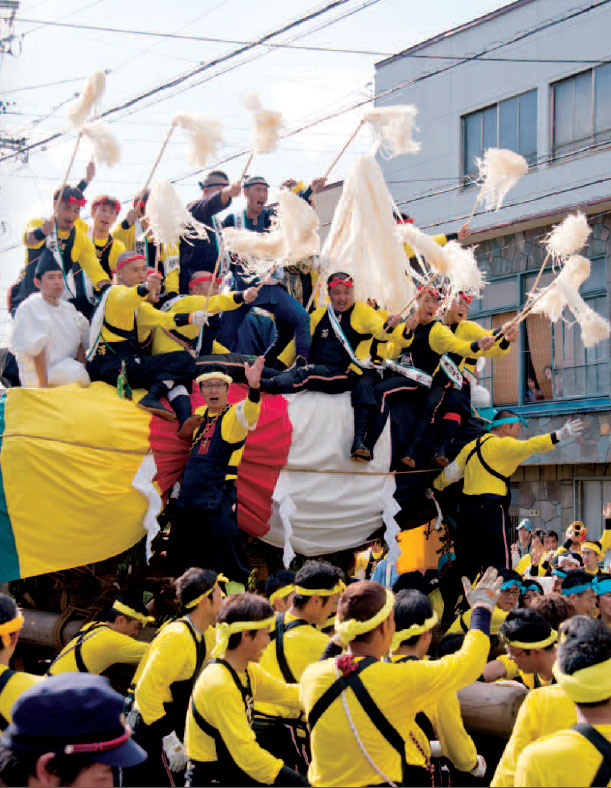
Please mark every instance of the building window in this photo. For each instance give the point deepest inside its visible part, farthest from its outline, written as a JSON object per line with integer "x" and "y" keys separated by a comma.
{"x": 509, "y": 124}
{"x": 591, "y": 495}
{"x": 582, "y": 110}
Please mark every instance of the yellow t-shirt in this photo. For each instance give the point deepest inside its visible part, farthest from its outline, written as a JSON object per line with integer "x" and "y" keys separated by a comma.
{"x": 101, "y": 648}
{"x": 565, "y": 758}
{"x": 15, "y": 686}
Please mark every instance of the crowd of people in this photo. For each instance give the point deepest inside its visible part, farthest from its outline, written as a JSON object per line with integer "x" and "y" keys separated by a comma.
{"x": 324, "y": 679}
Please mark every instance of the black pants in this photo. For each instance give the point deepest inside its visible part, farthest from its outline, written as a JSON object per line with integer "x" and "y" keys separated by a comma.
{"x": 209, "y": 538}
{"x": 151, "y": 771}
{"x": 200, "y": 775}
{"x": 329, "y": 380}
{"x": 482, "y": 535}
{"x": 403, "y": 398}
{"x": 288, "y": 742}
{"x": 143, "y": 371}
{"x": 231, "y": 364}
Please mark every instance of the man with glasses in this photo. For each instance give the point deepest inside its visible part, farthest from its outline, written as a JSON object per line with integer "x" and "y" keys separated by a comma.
{"x": 205, "y": 529}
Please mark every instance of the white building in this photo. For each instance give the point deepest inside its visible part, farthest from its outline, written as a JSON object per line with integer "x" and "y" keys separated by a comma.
{"x": 534, "y": 77}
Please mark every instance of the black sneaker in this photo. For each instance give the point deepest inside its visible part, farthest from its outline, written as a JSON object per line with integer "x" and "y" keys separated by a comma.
{"x": 153, "y": 405}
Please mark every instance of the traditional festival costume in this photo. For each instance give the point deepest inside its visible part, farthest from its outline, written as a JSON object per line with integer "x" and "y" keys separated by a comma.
{"x": 134, "y": 238}
{"x": 487, "y": 463}
{"x": 107, "y": 249}
{"x": 75, "y": 256}
{"x": 120, "y": 334}
{"x": 205, "y": 531}
{"x": 175, "y": 659}
{"x": 58, "y": 329}
{"x": 365, "y": 737}
{"x": 339, "y": 359}
{"x": 272, "y": 297}
{"x": 13, "y": 683}
{"x": 219, "y": 739}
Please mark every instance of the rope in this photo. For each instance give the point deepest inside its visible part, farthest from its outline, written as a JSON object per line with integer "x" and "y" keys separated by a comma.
{"x": 362, "y": 747}
{"x": 150, "y": 450}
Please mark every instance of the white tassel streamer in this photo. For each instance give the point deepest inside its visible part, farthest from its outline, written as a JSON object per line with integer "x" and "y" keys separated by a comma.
{"x": 81, "y": 109}
{"x": 422, "y": 243}
{"x": 465, "y": 276}
{"x": 393, "y": 128}
{"x": 106, "y": 147}
{"x": 568, "y": 237}
{"x": 363, "y": 239}
{"x": 205, "y": 136}
{"x": 168, "y": 217}
{"x": 266, "y": 125}
{"x": 500, "y": 170}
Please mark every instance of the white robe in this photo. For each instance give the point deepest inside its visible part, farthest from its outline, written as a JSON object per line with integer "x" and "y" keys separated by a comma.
{"x": 59, "y": 330}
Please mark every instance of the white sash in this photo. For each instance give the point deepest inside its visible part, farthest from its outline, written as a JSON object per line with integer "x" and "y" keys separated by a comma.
{"x": 225, "y": 259}
{"x": 451, "y": 370}
{"x": 95, "y": 329}
{"x": 337, "y": 330}
{"x": 52, "y": 245}
{"x": 417, "y": 375}
{"x": 140, "y": 245}
{"x": 469, "y": 377}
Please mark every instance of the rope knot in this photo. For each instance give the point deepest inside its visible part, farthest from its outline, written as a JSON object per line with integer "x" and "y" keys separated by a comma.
{"x": 346, "y": 664}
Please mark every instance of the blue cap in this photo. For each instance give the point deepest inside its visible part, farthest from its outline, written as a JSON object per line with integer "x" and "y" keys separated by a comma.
{"x": 525, "y": 523}
{"x": 73, "y": 713}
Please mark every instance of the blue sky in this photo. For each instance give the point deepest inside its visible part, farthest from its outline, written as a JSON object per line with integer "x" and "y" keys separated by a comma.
{"x": 303, "y": 85}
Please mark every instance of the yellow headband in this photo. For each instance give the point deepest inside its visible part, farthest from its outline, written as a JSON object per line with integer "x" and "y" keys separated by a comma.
{"x": 553, "y": 637}
{"x": 348, "y": 630}
{"x": 129, "y": 611}
{"x": 592, "y": 546}
{"x": 224, "y": 631}
{"x": 330, "y": 622}
{"x": 195, "y": 602}
{"x": 337, "y": 589}
{"x": 6, "y": 629}
{"x": 413, "y": 631}
{"x": 214, "y": 376}
{"x": 589, "y": 685}
{"x": 280, "y": 593}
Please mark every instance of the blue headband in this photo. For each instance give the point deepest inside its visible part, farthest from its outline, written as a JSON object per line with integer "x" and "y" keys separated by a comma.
{"x": 602, "y": 586}
{"x": 509, "y": 583}
{"x": 533, "y": 587}
{"x": 575, "y": 589}
{"x": 559, "y": 573}
{"x": 508, "y": 420}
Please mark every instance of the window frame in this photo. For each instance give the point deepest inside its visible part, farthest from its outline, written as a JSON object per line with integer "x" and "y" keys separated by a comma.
{"x": 466, "y": 180}
{"x": 574, "y": 404}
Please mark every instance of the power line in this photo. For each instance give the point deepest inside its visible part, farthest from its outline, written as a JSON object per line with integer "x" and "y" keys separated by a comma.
{"x": 209, "y": 64}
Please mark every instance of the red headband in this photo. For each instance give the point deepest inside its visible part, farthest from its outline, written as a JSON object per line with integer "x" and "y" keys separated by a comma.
{"x": 204, "y": 278}
{"x": 465, "y": 297}
{"x": 347, "y": 282}
{"x": 73, "y": 200}
{"x": 432, "y": 290}
{"x": 127, "y": 260}
{"x": 101, "y": 746}
{"x": 105, "y": 200}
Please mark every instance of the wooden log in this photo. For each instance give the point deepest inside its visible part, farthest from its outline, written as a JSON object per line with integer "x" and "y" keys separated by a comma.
{"x": 39, "y": 630}
{"x": 491, "y": 708}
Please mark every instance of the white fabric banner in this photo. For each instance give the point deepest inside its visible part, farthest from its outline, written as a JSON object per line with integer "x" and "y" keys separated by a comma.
{"x": 332, "y": 511}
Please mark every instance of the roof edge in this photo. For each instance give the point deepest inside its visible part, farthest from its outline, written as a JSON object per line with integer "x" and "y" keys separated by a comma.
{"x": 454, "y": 31}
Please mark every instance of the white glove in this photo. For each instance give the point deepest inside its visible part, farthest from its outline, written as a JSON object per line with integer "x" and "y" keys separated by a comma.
{"x": 570, "y": 430}
{"x": 174, "y": 752}
{"x": 435, "y": 749}
{"x": 199, "y": 318}
{"x": 480, "y": 767}
{"x": 485, "y": 592}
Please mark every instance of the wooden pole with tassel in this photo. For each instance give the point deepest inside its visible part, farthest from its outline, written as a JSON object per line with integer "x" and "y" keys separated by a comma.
{"x": 158, "y": 159}
{"x": 247, "y": 165}
{"x": 215, "y": 272}
{"x": 425, "y": 286}
{"x": 343, "y": 150}
{"x": 68, "y": 170}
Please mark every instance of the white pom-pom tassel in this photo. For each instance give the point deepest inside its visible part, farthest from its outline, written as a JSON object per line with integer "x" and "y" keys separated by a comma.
{"x": 465, "y": 276}
{"x": 500, "y": 170}
{"x": 393, "y": 128}
{"x": 420, "y": 242}
{"x": 106, "y": 147}
{"x": 93, "y": 91}
{"x": 575, "y": 271}
{"x": 568, "y": 237}
{"x": 594, "y": 327}
{"x": 247, "y": 244}
{"x": 266, "y": 125}
{"x": 168, "y": 217}
{"x": 205, "y": 136}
